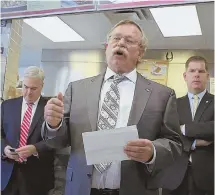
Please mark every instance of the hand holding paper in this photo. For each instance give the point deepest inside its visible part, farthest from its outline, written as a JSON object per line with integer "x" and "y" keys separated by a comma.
{"x": 108, "y": 145}
{"x": 140, "y": 150}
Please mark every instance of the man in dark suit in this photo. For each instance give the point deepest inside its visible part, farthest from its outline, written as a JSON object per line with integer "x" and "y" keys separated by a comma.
{"x": 118, "y": 97}
{"x": 27, "y": 162}
{"x": 193, "y": 173}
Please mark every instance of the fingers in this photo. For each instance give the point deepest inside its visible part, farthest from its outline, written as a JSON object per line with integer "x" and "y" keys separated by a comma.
{"x": 26, "y": 151}
{"x": 24, "y": 154}
{"x": 55, "y": 101}
{"x": 60, "y": 96}
{"x": 139, "y": 143}
{"x": 9, "y": 154}
{"x": 135, "y": 156}
{"x": 139, "y": 150}
{"x": 54, "y": 110}
{"x": 135, "y": 149}
{"x": 21, "y": 149}
{"x": 140, "y": 157}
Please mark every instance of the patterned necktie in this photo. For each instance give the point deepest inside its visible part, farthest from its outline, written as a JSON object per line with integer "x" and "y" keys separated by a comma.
{"x": 109, "y": 113}
{"x": 25, "y": 128}
{"x": 195, "y": 104}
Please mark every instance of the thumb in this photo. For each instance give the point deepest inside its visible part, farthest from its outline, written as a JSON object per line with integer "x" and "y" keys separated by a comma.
{"x": 60, "y": 96}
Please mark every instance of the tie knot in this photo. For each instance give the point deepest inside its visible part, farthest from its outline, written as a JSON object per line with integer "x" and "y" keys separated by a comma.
{"x": 195, "y": 97}
{"x": 118, "y": 78}
{"x": 30, "y": 104}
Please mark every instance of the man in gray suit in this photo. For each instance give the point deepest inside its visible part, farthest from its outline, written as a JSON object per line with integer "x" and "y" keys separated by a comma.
{"x": 118, "y": 97}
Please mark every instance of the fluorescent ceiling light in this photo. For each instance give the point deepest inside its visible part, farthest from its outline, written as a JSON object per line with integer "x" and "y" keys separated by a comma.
{"x": 177, "y": 21}
{"x": 54, "y": 29}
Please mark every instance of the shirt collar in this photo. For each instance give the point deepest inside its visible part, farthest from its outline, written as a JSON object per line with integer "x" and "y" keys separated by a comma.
{"x": 200, "y": 95}
{"x": 35, "y": 103}
{"x": 132, "y": 76}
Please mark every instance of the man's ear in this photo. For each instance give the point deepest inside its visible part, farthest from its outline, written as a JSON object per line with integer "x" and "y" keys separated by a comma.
{"x": 105, "y": 45}
{"x": 208, "y": 76}
{"x": 141, "y": 54}
{"x": 184, "y": 75}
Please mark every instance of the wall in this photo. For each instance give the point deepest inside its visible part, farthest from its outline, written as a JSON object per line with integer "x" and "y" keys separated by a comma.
{"x": 29, "y": 57}
{"x": 176, "y": 66}
{"x": 64, "y": 66}
{"x": 12, "y": 62}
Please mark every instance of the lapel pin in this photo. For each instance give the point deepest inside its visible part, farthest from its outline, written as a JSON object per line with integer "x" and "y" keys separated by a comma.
{"x": 206, "y": 102}
{"x": 147, "y": 90}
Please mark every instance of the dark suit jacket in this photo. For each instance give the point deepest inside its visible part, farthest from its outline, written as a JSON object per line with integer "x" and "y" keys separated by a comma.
{"x": 153, "y": 111}
{"x": 202, "y": 157}
{"x": 38, "y": 172}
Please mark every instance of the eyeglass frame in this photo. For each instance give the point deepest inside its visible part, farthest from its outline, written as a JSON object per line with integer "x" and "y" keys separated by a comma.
{"x": 131, "y": 43}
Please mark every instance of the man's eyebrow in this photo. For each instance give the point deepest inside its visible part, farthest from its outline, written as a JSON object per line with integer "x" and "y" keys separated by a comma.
{"x": 30, "y": 87}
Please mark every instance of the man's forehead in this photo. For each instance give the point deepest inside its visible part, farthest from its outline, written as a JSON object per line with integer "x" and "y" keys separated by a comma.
{"x": 32, "y": 82}
{"x": 197, "y": 65}
{"x": 130, "y": 28}
{"x": 30, "y": 85}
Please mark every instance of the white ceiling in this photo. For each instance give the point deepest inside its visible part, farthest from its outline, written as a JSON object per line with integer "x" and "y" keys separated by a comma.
{"x": 94, "y": 27}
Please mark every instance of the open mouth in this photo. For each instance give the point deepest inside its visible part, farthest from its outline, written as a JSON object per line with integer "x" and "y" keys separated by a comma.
{"x": 120, "y": 53}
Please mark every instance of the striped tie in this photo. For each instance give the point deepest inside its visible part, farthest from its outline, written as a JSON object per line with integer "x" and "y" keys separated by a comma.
{"x": 109, "y": 113}
{"x": 25, "y": 128}
{"x": 195, "y": 104}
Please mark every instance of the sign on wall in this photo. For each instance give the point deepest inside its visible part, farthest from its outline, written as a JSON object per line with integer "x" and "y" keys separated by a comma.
{"x": 212, "y": 85}
{"x": 26, "y": 8}
{"x": 5, "y": 36}
{"x": 155, "y": 70}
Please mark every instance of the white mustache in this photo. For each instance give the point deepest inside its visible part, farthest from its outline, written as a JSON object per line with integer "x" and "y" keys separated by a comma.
{"x": 120, "y": 50}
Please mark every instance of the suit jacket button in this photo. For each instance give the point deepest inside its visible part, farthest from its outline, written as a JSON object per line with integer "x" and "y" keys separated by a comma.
{"x": 89, "y": 175}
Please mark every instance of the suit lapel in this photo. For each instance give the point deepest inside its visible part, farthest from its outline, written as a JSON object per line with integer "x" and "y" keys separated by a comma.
{"x": 206, "y": 100}
{"x": 94, "y": 90}
{"x": 37, "y": 115}
{"x": 141, "y": 95}
{"x": 185, "y": 108}
{"x": 17, "y": 118}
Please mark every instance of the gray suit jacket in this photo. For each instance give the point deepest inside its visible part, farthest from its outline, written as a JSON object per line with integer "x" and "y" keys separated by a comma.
{"x": 153, "y": 111}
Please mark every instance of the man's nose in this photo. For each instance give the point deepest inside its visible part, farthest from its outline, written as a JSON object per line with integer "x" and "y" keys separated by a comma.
{"x": 122, "y": 42}
{"x": 196, "y": 74}
{"x": 29, "y": 91}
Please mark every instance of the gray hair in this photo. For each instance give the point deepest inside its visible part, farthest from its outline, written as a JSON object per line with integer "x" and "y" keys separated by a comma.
{"x": 144, "y": 40}
{"x": 34, "y": 72}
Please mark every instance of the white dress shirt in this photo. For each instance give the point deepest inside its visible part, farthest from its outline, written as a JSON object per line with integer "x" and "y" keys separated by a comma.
{"x": 191, "y": 101}
{"x": 111, "y": 177}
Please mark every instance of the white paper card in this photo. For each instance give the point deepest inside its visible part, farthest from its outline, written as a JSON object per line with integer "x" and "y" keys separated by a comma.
{"x": 108, "y": 145}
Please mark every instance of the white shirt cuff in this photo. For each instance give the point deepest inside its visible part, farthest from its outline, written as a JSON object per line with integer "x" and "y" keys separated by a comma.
{"x": 183, "y": 129}
{"x": 153, "y": 159}
{"x": 193, "y": 147}
{"x": 54, "y": 129}
{"x": 150, "y": 164}
{"x": 36, "y": 154}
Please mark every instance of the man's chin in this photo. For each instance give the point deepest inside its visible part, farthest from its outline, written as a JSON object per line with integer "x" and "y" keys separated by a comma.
{"x": 29, "y": 100}
{"x": 198, "y": 89}
{"x": 119, "y": 67}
